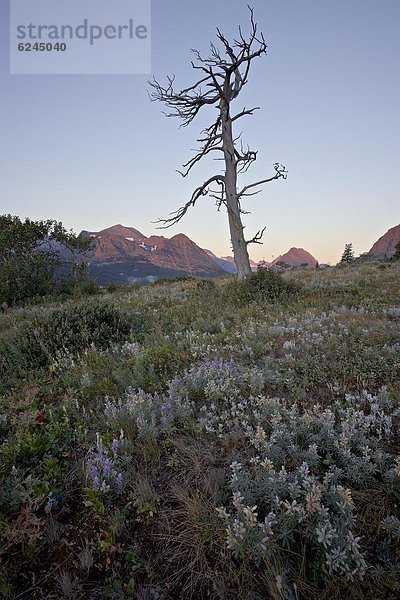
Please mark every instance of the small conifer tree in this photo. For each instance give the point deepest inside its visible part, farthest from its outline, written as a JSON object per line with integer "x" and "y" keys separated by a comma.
{"x": 348, "y": 254}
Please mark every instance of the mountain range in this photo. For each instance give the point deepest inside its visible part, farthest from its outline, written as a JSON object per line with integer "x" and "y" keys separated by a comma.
{"x": 124, "y": 255}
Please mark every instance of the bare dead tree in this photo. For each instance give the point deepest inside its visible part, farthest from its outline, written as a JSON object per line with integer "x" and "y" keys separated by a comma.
{"x": 222, "y": 77}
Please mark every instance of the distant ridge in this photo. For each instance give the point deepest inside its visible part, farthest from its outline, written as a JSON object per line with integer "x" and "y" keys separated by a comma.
{"x": 385, "y": 246}
{"x": 230, "y": 260}
{"x": 125, "y": 255}
{"x": 296, "y": 257}
{"x": 226, "y": 263}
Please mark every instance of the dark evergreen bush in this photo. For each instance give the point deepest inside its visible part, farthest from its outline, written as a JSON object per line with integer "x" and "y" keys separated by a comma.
{"x": 264, "y": 286}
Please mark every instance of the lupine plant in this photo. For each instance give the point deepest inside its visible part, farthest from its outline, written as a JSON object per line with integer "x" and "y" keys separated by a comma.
{"x": 296, "y": 482}
{"x": 103, "y": 466}
{"x": 151, "y": 414}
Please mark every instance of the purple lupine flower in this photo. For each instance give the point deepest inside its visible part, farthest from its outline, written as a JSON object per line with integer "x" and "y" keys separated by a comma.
{"x": 36, "y": 332}
{"x": 106, "y": 467}
{"x": 166, "y": 409}
{"x": 139, "y": 421}
{"x": 96, "y": 484}
{"x": 119, "y": 480}
{"x": 304, "y": 468}
{"x": 115, "y": 446}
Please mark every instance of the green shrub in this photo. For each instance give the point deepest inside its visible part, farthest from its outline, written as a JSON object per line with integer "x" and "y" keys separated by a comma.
{"x": 263, "y": 286}
{"x": 169, "y": 280}
{"x": 73, "y": 329}
{"x": 206, "y": 285}
{"x": 151, "y": 370}
{"x": 111, "y": 287}
{"x": 31, "y": 264}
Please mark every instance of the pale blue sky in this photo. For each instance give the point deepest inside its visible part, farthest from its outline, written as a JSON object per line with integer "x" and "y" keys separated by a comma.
{"x": 92, "y": 151}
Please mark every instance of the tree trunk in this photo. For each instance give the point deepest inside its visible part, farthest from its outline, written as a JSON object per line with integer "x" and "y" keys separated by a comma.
{"x": 240, "y": 254}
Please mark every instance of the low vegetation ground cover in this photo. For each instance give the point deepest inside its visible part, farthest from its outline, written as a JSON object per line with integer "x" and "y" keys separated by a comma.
{"x": 205, "y": 439}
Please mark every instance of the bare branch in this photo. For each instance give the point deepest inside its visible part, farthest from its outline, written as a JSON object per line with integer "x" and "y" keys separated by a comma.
{"x": 244, "y": 158}
{"x": 280, "y": 172}
{"x": 245, "y": 112}
{"x": 246, "y": 51}
{"x": 257, "y": 238}
{"x": 187, "y": 103}
{"x": 251, "y": 194}
{"x": 202, "y": 190}
{"x": 212, "y": 142}
{"x": 219, "y": 195}
{"x": 188, "y": 166}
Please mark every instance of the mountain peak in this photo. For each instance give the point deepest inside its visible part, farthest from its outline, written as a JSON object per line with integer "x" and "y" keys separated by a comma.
{"x": 181, "y": 237}
{"x": 296, "y": 257}
{"x": 121, "y": 231}
{"x": 385, "y": 246}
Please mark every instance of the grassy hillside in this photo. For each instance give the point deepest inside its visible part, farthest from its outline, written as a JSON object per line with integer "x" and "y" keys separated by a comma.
{"x": 205, "y": 439}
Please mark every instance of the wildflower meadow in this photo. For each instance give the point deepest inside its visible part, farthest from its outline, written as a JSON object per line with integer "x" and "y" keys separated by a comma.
{"x": 204, "y": 439}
